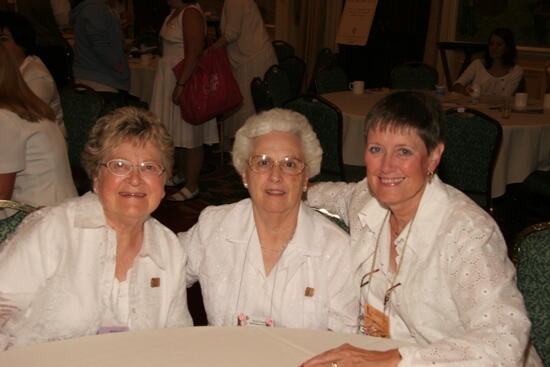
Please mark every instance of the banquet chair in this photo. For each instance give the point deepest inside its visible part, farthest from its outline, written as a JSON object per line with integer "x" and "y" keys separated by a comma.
{"x": 414, "y": 75}
{"x": 9, "y": 224}
{"x": 261, "y": 96}
{"x": 532, "y": 258}
{"x": 82, "y": 106}
{"x": 331, "y": 79}
{"x": 325, "y": 59}
{"x": 472, "y": 142}
{"x": 282, "y": 49}
{"x": 333, "y": 218}
{"x": 295, "y": 69}
{"x": 279, "y": 85}
{"x": 326, "y": 120}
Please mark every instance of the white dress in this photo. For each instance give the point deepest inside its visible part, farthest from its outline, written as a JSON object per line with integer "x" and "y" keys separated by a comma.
{"x": 184, "y": 134}
{"x": 249, "y": 50}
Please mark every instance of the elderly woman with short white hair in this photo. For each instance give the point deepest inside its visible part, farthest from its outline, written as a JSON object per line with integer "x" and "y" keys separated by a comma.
{"x": 271, "y": 260}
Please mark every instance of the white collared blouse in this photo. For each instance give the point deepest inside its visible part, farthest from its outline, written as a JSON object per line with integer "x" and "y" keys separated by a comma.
{"x": 58, "y": 272}
{"x": 458, "y": 299}
{"x": 224, "y": 255}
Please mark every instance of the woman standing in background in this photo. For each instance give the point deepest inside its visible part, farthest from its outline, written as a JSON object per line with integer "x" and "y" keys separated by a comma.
{"x": 249, "y": 50}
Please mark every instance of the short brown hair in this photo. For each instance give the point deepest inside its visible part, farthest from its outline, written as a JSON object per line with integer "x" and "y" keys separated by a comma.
{"x": 121, "y": 125}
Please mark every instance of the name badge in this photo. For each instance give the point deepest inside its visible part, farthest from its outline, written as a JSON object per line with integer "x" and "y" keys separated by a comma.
{"x": 250, "y": 320}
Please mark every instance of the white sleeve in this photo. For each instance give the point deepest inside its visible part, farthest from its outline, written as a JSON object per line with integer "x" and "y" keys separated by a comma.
{"x": 233, "y": 13}
{"x": 333, "y": 196}
{"x": 495, "y": 327}
{"x": 43, "y": 87}
{"x": 12, "y": 144}
{"x": 61, "y": 11}
{"x": 516, "y": 74}
{"x": 194, "y": 249}
{"x": 469, "y": 74}
{"x": 27, "y": 260}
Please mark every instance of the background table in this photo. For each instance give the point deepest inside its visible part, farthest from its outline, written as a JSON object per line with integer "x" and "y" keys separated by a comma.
{"x": 198, "y": 346}
{"x": 525, "y": 136}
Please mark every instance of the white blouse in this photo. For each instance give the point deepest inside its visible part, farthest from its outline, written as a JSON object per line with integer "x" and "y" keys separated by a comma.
{"x": 224, "y": 255}
{"x": 458, "y": 299}
{"x": 476, "y": 73}
{"x": 57, "y": 276}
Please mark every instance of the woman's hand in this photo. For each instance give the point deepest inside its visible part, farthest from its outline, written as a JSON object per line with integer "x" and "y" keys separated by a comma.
{"x": 176, "y": 94}
{"x": 347, "y": 355}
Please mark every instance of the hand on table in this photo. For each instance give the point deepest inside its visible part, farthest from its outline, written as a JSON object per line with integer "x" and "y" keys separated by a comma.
{"x": 347, "y": 355}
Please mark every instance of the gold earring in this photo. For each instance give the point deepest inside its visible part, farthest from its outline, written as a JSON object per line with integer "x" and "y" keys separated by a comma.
{"x": 305, "y": 188}
{"x": 245, "y": 185}
{"x": 430, "y": 176}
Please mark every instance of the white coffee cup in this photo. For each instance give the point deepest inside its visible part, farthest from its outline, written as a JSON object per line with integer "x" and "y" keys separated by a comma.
{"x": 357, "y": 86}
{"x": 546, "y": 103}
{"x": 520, "y": 100}
{"x": 145, "y": 59}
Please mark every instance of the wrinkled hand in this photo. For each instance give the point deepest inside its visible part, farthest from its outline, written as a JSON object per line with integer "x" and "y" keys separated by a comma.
{"x": 347, "y": 355}
{"x": 176, "y": 94}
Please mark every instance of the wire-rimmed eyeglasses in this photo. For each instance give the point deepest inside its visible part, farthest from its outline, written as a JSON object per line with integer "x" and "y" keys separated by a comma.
{"x": 122, "y": 167}
{"x": 264, "y": 164}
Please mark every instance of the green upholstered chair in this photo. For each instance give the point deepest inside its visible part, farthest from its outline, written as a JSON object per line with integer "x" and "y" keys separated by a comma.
{"x": 295, "y": 69}
{"x": 472, "y": 141}
{"x": 82, "y": 106}
{"x": 331, "y": 79}
{"x": 326, "y": 120}
{"x": 414, "y": 75}
{"x": 9, "y": 224}
{"x": 282, "y": 49}
{"x": 279, "y": 85}
{"x": 261, "y": 96}
{"x": 532, "y": 257}
{"x": 325, "y": 59}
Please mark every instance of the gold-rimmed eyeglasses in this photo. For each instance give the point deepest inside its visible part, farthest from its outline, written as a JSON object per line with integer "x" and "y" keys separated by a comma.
{"x": 264, "y": 164}
{"x": 122, "y": 167}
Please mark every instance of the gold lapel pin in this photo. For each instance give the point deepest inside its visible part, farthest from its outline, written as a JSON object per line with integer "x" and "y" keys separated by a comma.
{"x": 309, "y": 292}
{"x": 155, "y": 282}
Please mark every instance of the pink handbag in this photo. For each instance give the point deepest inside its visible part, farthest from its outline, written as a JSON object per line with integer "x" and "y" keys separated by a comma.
{"x": 211, "y": 90}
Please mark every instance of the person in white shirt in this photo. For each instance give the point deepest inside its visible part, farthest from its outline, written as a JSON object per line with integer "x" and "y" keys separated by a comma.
{"x": 249, "y": 50}
{"x": 18, "y": 36}
{"x": 34, "y": 166}
{"x": 497, "y": 74}
{"x": 271, "y": 260}
{"x": 99, "y": 263}
{"x": 431, "y": 265}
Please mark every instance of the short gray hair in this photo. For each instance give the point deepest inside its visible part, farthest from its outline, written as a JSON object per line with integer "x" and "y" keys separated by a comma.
{"x": 278, "y": 119}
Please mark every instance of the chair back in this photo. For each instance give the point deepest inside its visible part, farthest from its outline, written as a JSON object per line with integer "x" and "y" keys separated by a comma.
{"x": 333, "y": 218}
{"x": 325, "y": 59}
{"x": 279, "y": 85}
{"x": 326, "y": 121}
{"x": 414, "y": 75}
{"x": 295, "y": 69}
{"x": 532, "y": 256}
{"x": 472, "y": 142}
{"x": 261, "y": 95}
{"x": 9, "y": 224}
{"x": 332, "y": 79}
{"x": 282, "y": 49}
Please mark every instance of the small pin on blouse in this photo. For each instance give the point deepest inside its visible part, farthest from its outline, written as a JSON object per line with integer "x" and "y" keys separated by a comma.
{"x": 155, "y": 282}
{"x": 309, "y": 292}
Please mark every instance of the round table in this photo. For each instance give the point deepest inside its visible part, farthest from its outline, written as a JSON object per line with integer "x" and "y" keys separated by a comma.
{"x": 193, "y": 346}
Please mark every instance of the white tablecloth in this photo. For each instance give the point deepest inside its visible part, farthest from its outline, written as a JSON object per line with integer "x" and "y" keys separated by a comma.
{"x": 525, "y": 136}
{"x": 142, "y": 79}
{"x": 198, "y": 346}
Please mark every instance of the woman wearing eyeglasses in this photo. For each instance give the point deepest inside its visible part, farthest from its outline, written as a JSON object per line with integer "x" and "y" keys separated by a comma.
{"x": 270, "y": 260}
{"x": 99, "y": 263}
{"x": 431, "y": 266}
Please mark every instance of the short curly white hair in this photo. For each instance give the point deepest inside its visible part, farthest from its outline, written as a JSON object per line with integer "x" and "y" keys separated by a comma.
{"x": 278, "y": 119}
